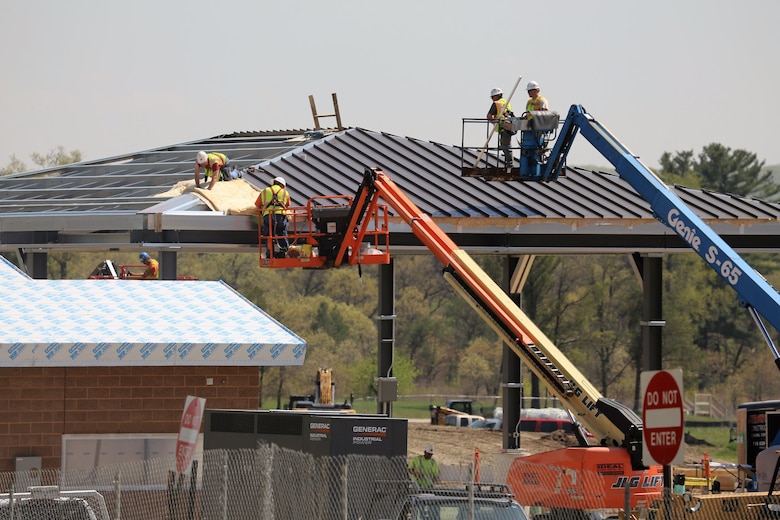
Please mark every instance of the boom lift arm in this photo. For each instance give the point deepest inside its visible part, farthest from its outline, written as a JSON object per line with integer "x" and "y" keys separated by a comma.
{"x": 754, "y": 292}
{"x": 614, "y": 424}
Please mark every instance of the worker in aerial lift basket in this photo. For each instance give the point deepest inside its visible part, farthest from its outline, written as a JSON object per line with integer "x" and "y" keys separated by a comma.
{"x": 501, "y": 111}
{"x": 535, "y": 101}
{"x": 273, "y": 202}
{"x": 152, "y": 271}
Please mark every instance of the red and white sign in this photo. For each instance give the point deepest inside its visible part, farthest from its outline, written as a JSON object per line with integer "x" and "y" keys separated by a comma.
{"x": 662, "y": 416}
{"x": 188, "y": 433}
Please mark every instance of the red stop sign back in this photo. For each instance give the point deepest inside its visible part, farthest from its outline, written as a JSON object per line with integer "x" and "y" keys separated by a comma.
{"x": 188, "y": 433}
{"x": 662, "y": 415}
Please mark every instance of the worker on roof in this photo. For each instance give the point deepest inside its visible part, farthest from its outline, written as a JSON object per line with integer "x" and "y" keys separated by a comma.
{"x": 424, "y": 469}
{"x": 273, "y": 202}
{"x": 535, "y": 101}
{"x": 501, "y": 110}
{"x": 214, "y": 165}
{"x": 152, "y": 271}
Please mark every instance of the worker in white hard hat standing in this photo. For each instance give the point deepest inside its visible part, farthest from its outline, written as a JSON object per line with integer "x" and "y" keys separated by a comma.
{"x": 424, "y": 469}
{"x": 273, "y": 202}
{"x": 213, "y": 164}
{"x": 501, "y": 110}
{"x": 535, "y": 101}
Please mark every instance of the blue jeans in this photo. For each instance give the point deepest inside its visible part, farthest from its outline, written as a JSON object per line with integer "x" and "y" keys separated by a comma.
{"x": 279, "y": 224}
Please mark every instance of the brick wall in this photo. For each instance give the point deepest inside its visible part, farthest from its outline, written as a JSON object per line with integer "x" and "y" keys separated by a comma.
{"x": 39, "y": 405}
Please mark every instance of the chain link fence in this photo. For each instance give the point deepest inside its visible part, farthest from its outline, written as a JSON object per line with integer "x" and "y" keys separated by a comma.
{"x": 272, "y": 483}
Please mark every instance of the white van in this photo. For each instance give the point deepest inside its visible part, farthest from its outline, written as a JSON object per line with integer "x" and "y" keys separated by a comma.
{"x": 461, "y": 419}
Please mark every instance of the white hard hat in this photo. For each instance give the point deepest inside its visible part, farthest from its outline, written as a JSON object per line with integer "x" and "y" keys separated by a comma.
{"x": 532, "y": 85}
{"x": 429, "y": 449}
{"x": 280, "y": 181}
{"x": 201, "y": 158}
{"x": 496, "y": 92}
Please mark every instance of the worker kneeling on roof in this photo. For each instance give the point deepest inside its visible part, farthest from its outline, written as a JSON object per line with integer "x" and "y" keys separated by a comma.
{"x": 214, "y": 165}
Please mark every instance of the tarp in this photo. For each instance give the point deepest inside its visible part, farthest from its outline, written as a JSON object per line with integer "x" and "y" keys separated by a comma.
{"x": 236, "y": 197}
{"x": 135, "y": 323}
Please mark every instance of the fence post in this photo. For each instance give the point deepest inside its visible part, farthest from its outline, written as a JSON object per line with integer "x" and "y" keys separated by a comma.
{"x": 117, "y": 493}
{"x": 224, "y": 484}
{"x": 193, "y": 486}
{"x": 344, "y": 499}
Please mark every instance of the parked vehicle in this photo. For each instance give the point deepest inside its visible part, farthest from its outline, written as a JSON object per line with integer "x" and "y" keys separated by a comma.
{"x": 545, "y": 425}
{"x": 48, "y": 502}
{"x": 488, "y": 500}
{"x": 462, "y": 419}
{"x": 487, "y": 424}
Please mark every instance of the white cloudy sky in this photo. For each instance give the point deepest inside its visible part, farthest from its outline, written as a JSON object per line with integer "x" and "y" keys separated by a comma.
{"x": 109, "y": 77}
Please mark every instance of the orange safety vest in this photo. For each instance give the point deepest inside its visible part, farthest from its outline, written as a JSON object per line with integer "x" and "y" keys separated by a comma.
{"x": 152, "y": 270}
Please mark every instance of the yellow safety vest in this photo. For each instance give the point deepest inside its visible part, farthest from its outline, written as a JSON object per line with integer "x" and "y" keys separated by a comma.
{"x": 534, "y": 104}
{"x": 274, "y": 200}
{"x": 503, "y": 107}
{"x": 215, "y": 158}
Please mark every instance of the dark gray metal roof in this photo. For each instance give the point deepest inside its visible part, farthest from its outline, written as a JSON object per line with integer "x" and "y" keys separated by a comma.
{"x": 111, "y": 203}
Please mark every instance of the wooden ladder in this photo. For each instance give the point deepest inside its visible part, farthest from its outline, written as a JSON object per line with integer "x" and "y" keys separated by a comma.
{"x": 317, "y": 116}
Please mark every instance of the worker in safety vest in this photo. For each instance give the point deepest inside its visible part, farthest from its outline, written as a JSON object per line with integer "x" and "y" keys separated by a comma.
{"x": 535, "y": 101}
{"x": 273, "y": 202}
{"x": 424, "y": 469}
{"x": 500, "y": 110}
{"x": 213, "y": 164}
{"x": 152, "y": 271}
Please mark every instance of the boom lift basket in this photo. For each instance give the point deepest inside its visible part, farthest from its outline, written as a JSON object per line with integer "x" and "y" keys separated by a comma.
{"x": 317, "y": 233}
{"x": 530, "y": 147}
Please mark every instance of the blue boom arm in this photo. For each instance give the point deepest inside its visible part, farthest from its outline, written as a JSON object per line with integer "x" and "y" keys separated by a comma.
{"x": 754, "y": 291}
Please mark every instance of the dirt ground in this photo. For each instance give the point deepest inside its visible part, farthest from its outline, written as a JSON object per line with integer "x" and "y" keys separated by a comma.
{"x": 455, "y": 445}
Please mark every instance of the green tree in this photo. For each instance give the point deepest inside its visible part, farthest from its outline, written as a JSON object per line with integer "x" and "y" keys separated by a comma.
{"x": 56, "y": 157}
{"x": 480, "y": 366}
{"x": 720, "y": 169}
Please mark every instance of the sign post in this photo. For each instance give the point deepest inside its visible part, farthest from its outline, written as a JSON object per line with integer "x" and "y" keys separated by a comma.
{"x": 188, "y": 433}
{"x": 662, "y": 416}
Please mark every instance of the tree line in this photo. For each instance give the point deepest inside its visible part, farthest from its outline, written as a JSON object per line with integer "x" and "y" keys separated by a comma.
{"x": 589, "y": 306}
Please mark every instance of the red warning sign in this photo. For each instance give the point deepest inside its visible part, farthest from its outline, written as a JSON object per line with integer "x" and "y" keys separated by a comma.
{"x": 188, "y": 433}
{"x": 662, "y": 415}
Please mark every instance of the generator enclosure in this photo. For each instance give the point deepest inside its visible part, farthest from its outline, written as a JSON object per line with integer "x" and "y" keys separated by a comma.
{"x": 318, "y": 433}
{"x": 758, "y": 424}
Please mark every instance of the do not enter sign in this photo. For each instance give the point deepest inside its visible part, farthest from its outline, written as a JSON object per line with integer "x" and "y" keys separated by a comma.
{"x": 662, "y": 416}
{"x": 188, "y": 433}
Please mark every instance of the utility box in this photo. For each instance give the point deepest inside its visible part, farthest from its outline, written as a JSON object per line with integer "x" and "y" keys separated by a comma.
{"x": 318, "y": 433}
{"x": 28, "y": 472}
{"x": 758, "y": 426}
{"x": 387, "y": 389}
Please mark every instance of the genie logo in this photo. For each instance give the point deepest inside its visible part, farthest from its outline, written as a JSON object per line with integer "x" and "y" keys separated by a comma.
{"x": 208, "y": 349}
{"x": 687, "y": 232}
{"x": 124, "y": 349}
{"x": 52, "y": 350}
{"x": 15, "y": 350}
{"x": 185, "y": 349}
{"x": 99, "y": 350}
{"x": 231, "y": 350}
{"x": 255, "y": 349}
{"x": 148, "y": 349}
{"x": 276, "y": 351}
{"x": 299, "y": 350}
{"x": 76, "y": 350}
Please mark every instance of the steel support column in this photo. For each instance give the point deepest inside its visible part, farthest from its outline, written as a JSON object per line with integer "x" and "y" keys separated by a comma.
{"x": 386, "y": 328}
{"x": 511, "y": 373}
